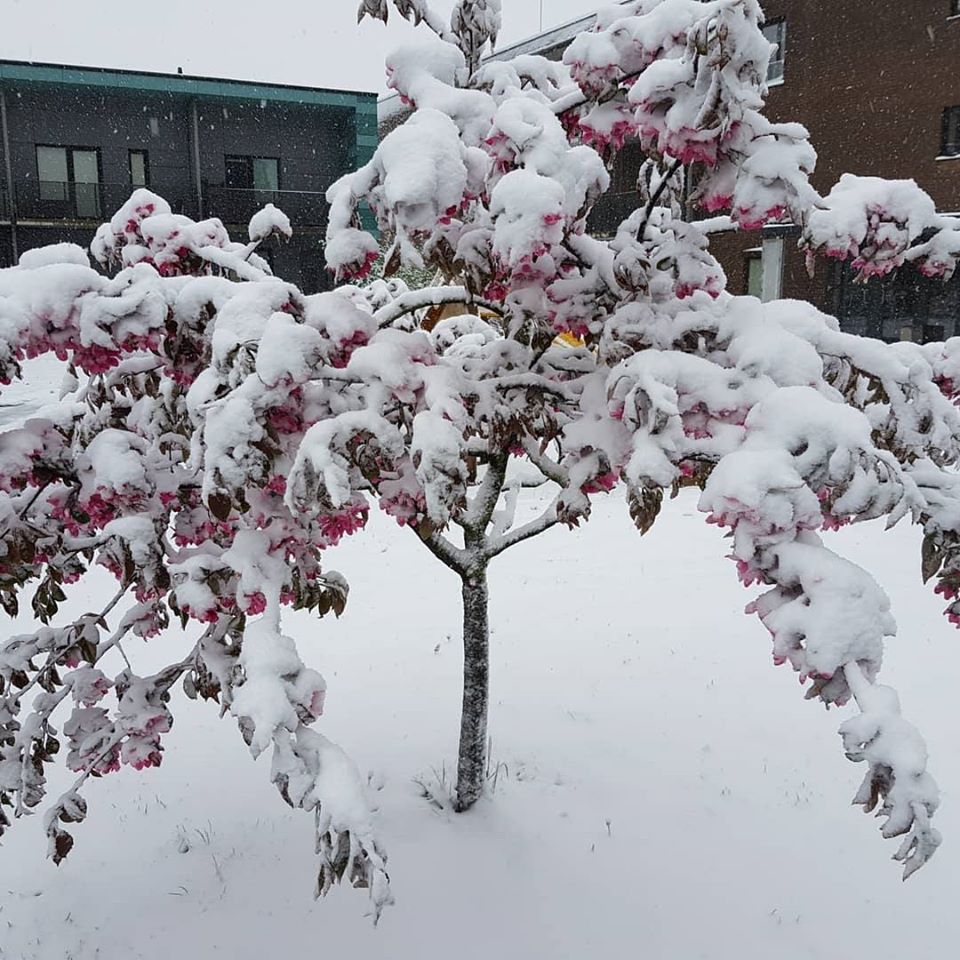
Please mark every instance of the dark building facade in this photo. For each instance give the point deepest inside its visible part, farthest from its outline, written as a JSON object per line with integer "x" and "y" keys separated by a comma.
{"x": 878, "y": 86}
{"x": 75, "y": 141}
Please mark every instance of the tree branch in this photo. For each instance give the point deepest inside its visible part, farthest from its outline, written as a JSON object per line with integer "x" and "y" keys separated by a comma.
{"x": 655, "y": 197}
{"x": 429, "y": 297}
{"x": 449, "y": 555}
{"x": 485, "y": 502}
{"x": 544, "y": 522}
{"x": 548, "y": 467}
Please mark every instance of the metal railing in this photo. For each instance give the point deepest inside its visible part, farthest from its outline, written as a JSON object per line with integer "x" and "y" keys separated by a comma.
{"x": 47, "y": 200}
{"x": 92, "y": 202}
{"x": 236, "y": 205}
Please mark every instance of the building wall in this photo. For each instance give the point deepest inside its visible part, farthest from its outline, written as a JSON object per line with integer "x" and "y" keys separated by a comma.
{"x": 112, "y": 123}
{"x": 870, "y": 82}
{"x": 314, "y": 143}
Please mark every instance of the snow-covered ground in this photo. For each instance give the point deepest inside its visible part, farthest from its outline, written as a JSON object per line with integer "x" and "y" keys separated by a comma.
{"x": 663, "y": 789}
{"x": 40, "y": 385}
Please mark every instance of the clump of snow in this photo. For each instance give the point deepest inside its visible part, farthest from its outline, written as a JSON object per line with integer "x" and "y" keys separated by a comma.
{"x": 54, "y": 253}
{"x": 269, "y": 221}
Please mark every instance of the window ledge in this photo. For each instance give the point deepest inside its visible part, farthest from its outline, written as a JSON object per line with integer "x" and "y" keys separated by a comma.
{"x": 955, "y": 16}
{"x": 779, "y": 81}
{"x": 948, "y": 156}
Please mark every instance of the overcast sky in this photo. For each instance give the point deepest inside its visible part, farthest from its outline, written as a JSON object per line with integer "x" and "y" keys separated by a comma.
{"x": 312, "y": 42}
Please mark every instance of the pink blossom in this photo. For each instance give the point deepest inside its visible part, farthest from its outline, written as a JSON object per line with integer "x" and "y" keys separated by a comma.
{"x": 254, "y": 603}
{"x": 948, "y": 589}
{"x": 277, "y": 484}
{"x": 358, "y": 270}
{"x": 602, "y": 483}
{"x": 317, "y": 700}
{"x": 334, "y": 526}
{"x": 405, "y": 508}
{"x": 340, "y": 357}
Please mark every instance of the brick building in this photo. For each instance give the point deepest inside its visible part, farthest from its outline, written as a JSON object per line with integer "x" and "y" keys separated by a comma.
{"x": 878, "y": 87}
{"x": 74, "y": 142}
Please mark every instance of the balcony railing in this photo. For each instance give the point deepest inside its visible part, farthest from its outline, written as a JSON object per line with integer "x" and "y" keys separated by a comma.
{"x": 93, "y": 202}
{"x": 235, "y": 205}
{"x": 96, "y": 202}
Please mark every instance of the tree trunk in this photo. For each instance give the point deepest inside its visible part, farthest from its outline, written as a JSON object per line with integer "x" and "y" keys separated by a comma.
{"x": 472, "y": 760}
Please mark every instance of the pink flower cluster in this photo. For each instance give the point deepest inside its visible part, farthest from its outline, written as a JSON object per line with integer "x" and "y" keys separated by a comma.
{"x": 602, "y": 483}
{"x": 341, "y": 353}
{"x": 358, "y": 269}
{"x": 341, "y": 523}
{"x": 407, "y": 509}
{"x": 755, "y": 218}
{"x": 605, "y": 139}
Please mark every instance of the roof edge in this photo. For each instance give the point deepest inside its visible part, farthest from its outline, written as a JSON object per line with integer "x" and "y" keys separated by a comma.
{"x": 100, "y": 76}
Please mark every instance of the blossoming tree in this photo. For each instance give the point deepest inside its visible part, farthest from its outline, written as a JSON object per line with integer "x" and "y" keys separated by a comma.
{"x": 219, "y": 429}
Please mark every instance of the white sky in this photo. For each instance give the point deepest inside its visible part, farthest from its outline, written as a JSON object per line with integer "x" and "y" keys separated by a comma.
{"x": 311, "y": 42}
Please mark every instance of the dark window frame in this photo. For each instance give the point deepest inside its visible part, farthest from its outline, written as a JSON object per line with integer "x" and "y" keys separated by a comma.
{"x": 950, "y": 132}
{"x": 139, "y": 151}
{"x": 70, "y": 194}
{"x": 954, "y": 9}
{"x": 248, "y": 160}
{"x": 69, "y": 149}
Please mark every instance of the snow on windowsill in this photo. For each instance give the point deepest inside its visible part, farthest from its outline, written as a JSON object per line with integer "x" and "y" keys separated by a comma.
{"x": 775, "y": 83}
{"x": 948, "y": 156}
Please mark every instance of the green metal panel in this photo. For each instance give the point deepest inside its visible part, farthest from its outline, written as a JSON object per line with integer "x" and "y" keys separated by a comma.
{"x": 91, "y": 77}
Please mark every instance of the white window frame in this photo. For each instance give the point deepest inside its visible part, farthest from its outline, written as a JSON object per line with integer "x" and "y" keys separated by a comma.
{"x": 771, "y": 257}
{"x": 775, "y": 33}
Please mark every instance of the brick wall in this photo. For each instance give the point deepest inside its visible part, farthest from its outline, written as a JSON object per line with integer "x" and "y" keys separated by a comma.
{"x": 870, "y": 81}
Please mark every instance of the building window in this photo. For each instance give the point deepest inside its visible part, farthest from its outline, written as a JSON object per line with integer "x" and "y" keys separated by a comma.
{"x": 950, "y": 147}
{"x": 754, "y": 274}
{"x": 771, "y": 257}
{"x": 139, "y": 168}
{"x": 253, "y": 173}
{"x": 955, "y": 8}
{"x": 70, "y": 175}
{"x": 776, "y": 33}
{"x": 52, "y": 173}
{"x": 764, "y": 269}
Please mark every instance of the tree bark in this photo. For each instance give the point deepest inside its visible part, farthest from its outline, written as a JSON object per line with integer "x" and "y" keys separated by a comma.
{"x": 472, "y": 759}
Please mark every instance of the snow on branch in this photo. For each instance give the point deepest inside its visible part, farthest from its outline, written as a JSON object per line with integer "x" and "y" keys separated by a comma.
{"x": 879, "y": 225}
{"x": 473, "y": 23}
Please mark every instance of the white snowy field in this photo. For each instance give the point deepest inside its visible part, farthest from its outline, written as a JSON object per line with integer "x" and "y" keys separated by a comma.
{"x": 40, "y": 385}
{"x": 663, "y": 790}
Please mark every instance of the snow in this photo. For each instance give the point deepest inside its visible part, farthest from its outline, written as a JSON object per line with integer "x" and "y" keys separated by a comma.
{"x": 38, "y": 387}
{"x": 791, "y": 427}
{"x": 267, "y": 221}
{"x": 54, "y": 253}
{"x": 726, "y": 800}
